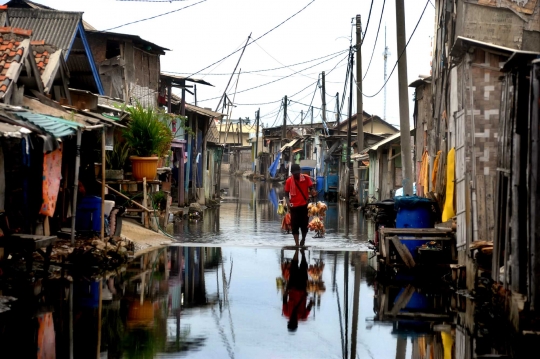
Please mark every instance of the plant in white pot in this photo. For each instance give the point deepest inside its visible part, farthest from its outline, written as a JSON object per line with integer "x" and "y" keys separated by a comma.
{"x": 116, "y": 161}
{"x": 148, "y": 137}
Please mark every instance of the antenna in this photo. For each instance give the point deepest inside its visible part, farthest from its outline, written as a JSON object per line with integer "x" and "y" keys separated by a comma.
{"x": 386, "y": 54}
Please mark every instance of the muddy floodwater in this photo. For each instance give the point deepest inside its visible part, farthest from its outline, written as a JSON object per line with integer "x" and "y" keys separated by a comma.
{"x": 232, "y": 287}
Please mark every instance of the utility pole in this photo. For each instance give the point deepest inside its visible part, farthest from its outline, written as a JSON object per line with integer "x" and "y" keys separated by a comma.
{"x": 284, "y": 129}
{"x": 323, "y": 99}
{"x": 348, "y": 158}
{"x": 257, "y": 117}
{"x": 241, "y": 133}
{"x": 403, "y": 100}
{"x": 195, "y": 93}
{"x": 301, "y": 117}
{"x": 311, "y": 116}
{"x": 386, "y": 53}
{"x": 359, "y": 104}
{"x": 338, "y": 114}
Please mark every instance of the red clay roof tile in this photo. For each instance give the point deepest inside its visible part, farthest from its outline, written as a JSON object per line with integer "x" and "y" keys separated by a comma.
{"x": 37, "y": 42}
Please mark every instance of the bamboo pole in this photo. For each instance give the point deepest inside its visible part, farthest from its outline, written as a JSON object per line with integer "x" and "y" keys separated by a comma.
{"x": 102, "y": 236}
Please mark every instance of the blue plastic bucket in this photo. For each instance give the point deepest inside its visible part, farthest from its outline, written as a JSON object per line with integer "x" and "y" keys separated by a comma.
{"x": 320, "y": 183}
{"x": 89, "y": 214}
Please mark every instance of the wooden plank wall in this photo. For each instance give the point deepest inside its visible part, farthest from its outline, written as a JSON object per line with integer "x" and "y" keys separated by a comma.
{"x": 485, "y": 190}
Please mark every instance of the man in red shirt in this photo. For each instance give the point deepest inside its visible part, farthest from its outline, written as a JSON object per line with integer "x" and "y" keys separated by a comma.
{"x": 295, "y": 304}
{"x": 297, "y": 189}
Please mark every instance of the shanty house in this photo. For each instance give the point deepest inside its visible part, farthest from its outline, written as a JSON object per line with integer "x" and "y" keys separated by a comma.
{"x": 129, "y": 67}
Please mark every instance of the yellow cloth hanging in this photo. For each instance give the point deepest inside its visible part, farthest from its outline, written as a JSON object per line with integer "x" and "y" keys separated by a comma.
{"x": 435, "y": 170}
{"x": 423, "y": 176}
{"x": 448, "y": 343}
{"x": 448, "y": 211}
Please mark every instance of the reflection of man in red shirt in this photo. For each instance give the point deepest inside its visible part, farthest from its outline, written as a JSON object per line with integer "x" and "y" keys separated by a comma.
{"x": 295, "y": 296}
{"x": 297, "y": 188}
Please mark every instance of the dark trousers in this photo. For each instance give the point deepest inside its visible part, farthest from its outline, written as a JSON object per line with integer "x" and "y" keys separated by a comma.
{"x": 299, "y": 220}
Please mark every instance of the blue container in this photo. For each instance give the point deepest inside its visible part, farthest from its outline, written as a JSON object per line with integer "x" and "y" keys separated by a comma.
{"x": 89, "y": 214}
{"x": 86, "y": 294}
{"x": 414, "y": 212}
{"x": 420, "y": 217}
{"x": 320, "y": 183}
{"x": 417, "y": 301}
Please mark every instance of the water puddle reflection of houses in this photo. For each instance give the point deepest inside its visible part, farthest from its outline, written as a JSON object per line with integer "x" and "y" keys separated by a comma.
{"x": 202, "y": 302}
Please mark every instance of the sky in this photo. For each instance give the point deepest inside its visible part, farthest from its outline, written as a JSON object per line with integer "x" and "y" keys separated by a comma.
{"x": 208, "y": 30}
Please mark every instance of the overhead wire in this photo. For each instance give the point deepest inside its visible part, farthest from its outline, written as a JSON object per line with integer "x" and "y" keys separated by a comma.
{"x": 402, "y": 52}
{"x": 279, "y": 79}
{"x": 279, "y": 62}
{"x": 155, "y": 16}
{"x": 367, "y": 25}
{"x": 376, "y": 38}
{"x": 254, "y": 40}
{"x": 263, "y": 70}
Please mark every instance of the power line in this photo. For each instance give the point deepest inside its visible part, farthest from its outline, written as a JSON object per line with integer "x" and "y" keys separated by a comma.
{"x": 279, "y": 62}
{"x": 264, "y": 70}
{"x": 376, "y": 38}
{"x": 156, "y": 16}
{"x": 402, "y": 52}
{"x": 279, "y": 79}
{"x": 266, "y": 33}
{"x": 367, "y": 25}
{"x": 277, "y": 114}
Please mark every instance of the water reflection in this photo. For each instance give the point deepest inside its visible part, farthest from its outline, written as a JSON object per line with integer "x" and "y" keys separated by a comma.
{"x": 248, "y": 217}
{"x": 203, "y": 302}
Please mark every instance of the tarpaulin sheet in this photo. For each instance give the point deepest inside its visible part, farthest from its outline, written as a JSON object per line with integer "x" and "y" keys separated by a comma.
{"x": 274, "y": 166}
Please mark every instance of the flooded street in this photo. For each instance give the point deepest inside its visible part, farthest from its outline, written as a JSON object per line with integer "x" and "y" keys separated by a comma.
{"x": 248, "y": 217}
{"x": 232, "y": 287}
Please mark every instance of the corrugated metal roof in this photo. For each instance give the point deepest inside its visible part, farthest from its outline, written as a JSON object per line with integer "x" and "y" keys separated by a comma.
{"x": 134, "y": 38}
{"x": 55, "y": 126}
{"x": 175, "y": 79}
{"x": 8, "y": 130}
{"x": 203, "y": 111}
{"x": 290, "y": 144}
{"x": 57, "y": 28}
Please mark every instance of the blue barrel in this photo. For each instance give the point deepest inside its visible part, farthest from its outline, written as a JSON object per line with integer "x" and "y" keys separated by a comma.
{"x": 414, "y": 212}
{"x": 89, "y": 214}
{"x": 320, "y": 183}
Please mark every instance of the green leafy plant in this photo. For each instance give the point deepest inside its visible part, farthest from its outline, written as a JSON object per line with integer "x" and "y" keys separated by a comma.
{"x": 160, "y": 200}
{"x": 117, "y": 158}
{"x": 146, "y": 134}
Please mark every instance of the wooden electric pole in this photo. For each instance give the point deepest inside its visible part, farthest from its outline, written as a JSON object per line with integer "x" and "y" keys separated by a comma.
{"x": 348, "y": 157}
{"x": 359, "y": 104}
{"x": 257, "y": 117}
{"x": 284, "y": 129}
{"x": 403, "y": 100}
{"x": 323, "y": 99}
{"x": 338, "y": 112}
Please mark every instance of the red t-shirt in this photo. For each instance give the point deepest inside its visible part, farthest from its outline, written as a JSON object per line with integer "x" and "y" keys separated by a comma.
{"x": 303, "y": 186}
{"x": 298, "y": 300}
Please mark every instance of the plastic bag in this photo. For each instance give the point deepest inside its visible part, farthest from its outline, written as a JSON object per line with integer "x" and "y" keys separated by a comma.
{"x": 281, "y": 209}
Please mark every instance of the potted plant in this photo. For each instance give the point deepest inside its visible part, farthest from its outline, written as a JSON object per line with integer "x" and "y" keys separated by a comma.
{"x": 147, "y": 136}
{"x": 116, "y": 160}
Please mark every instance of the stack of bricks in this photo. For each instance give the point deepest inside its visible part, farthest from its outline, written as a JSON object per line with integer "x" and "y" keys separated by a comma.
{"x": 11, "y": 52}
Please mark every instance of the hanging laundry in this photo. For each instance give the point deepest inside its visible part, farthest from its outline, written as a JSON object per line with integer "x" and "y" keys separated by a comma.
{"x": 423, "y": 182}
{"x": 435, "y": 170}
{"x": 52, "y": 174}
{"x": 448, "y": 210}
